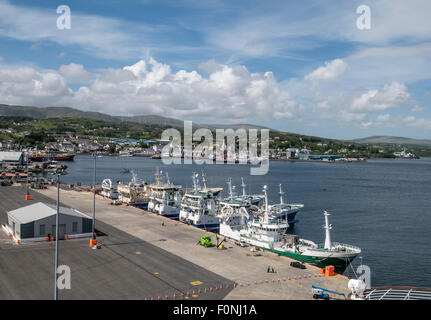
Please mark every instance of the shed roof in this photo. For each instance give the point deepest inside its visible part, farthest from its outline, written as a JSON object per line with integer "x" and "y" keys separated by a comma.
{"x": 10, "y": 155}
{"x": 42, "y": 210}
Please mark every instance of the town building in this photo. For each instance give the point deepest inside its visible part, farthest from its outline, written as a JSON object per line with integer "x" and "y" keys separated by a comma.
{"x": 322, "y": 157}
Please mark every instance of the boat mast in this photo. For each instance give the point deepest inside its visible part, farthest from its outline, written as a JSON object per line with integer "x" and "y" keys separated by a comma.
{"x": 229, "y": 183}
{"x": 243, "y": 185}
{"x": 204, "y": 181}
{"x": 194, "y": 178}
{"x": 281, "y": 193}
{"x": 266, "y": 203}
{"x": 157, "y": 174}
{"x": 327, "y": 228}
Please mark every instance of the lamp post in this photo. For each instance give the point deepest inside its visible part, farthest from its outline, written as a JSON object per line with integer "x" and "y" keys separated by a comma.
{"x": 27, "y": 193}
{"x": 56, "y": 237}
{"x": 94, "y": 198}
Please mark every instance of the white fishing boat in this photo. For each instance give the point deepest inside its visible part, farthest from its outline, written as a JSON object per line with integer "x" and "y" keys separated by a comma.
{"x": 282, "y": 210}
{"x": 165, "y": 197}
{"x": 253, "y": 199}
{"x": 285, "y": 211}
{"x": 198, "y": 206}
{"x": 234, "y": 213}
{"x": 268, "y": 233}
{"x": 134, "y": 193}
{"x": 108, "y": 190}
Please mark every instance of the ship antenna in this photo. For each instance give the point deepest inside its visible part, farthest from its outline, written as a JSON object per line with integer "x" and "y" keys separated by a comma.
{"x": 327, "y": 228}
{"x": 266, "y": 201}
{"x": 229, "y": 183}
{"x": 204, "y": 180}
{"x": 281, "y": 193}
{"x": 157, "y": 174}
{"x": 243, "y": 185}
{"x": 167, "y": 178}
{"x": 194, "y": 178}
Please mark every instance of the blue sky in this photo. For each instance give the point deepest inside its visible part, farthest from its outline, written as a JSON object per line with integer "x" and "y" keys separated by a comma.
{"x": 298, "y": 66}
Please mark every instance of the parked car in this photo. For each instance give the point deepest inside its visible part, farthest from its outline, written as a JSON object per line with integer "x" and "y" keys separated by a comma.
{"x": 5, "y": 183}
{"x": 298, "y": 265}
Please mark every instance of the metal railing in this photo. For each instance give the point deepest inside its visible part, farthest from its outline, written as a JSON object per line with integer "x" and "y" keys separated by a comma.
{"x": 337, "y": 244}
{"x": 397, "y": 293}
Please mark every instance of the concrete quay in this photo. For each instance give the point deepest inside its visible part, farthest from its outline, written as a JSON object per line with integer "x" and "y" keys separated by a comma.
{"x": 237, "y": 264}
{"x": 125, "y": 268}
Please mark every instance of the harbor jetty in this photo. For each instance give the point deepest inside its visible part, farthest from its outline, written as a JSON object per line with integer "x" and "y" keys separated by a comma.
{"x": 245, "y": 268}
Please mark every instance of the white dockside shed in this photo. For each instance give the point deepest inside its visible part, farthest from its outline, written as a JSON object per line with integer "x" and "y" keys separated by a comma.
{"x": 35, "y": 222}
{"x": 11, "y": 157}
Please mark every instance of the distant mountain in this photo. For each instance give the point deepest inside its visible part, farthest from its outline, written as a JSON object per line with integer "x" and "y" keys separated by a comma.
{"x": 234, "y": 126}
{"x": 60, "y": 112}
{"x": 51, "y": 112}
{"x": 395, "y": 140}
{"x": 154, "y": 120}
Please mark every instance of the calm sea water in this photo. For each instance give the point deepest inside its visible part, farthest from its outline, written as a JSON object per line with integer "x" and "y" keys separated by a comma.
{"x": 382, "y": 206}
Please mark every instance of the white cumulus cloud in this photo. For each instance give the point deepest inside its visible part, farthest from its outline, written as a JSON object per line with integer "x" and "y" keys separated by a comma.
{"x": 25, "y": 85}
{"x": 392, "y": 95}
{"x": 226, "y": 94}
{"x": 331, "y": 71}
{"x": 75, "y": 71}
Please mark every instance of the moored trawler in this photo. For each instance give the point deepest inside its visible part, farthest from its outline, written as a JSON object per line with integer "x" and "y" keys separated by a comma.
{"x": 134, "y": 193}
{"x": 51, "y": 157}
{"x": 285, "y": 211}
{"x": 198, "y": 206}
{"x": 253, "y": 199}
{"x": 234, "y": 213}
{"x": 165, "y": 197}
{"x": 282, "y": 211}
{"x": 268, "y": 233}
{"x": 108, "y": 190}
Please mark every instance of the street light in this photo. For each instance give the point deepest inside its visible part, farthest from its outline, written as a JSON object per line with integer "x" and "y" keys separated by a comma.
{"x": 94, "y": 198}
{"x": 56, "y": 236}
{"x": 27, "y": 193}
{"x": 58, "y": 172}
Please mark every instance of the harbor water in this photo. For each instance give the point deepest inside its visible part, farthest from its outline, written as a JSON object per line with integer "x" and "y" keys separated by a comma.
{"x": 382, "y": 206}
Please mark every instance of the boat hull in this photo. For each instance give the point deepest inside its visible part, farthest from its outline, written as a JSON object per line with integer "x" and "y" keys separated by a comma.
{"x": 291, "y": 219}
{"x": 208, "y": 227}
{"x": 205, "y": 222}
{"x": 164, "y": 210}
{"x": 50, "y": 158}
{"x": 143, "y": 206}
{"x": 339, "y": 261}
{"x": 227, "y": 231}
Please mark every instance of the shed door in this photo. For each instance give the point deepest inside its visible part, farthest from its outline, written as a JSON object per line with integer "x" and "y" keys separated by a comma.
{"x": 61, "y": 231}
